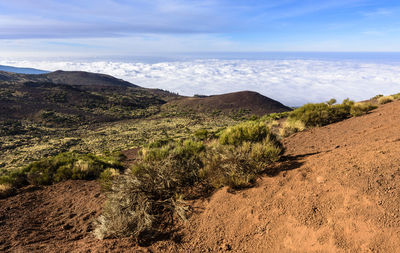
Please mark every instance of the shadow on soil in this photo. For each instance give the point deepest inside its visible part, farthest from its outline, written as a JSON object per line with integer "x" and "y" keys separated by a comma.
{"x": 287, "y": 163}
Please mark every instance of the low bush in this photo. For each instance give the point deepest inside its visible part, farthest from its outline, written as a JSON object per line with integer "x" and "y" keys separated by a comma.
{"x": 68, "y": 166}
{"x": 322, "y": 114}
{"x": 5, "y": 190}
{"x": 107, "y": 178}
{"x": 250, "y": 131}
{"x": 238, "y": 166}
{"x": 159, "y": 143}
{"x": 396, "y": 96}
{"x": 359, "y": 109}
{"x": 202, "y": 134}
{"x": 142, "y": 202}
{"x": 62, "y": 167}
{"x": 385, "y": 99}
{"x": 274, "y": 116}
{"x": 13, "y": 178}
{"x": 377, "y": 96}
{"x": 290, "y": 127}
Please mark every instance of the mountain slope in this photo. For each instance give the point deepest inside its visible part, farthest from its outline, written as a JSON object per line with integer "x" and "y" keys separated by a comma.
{"x": 68, "y": 98}
{"x": 337, "y": 191}
{"x": 85, "y": 78}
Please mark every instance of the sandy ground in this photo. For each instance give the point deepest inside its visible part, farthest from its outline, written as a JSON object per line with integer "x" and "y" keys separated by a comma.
{"x": 337, "y": 191}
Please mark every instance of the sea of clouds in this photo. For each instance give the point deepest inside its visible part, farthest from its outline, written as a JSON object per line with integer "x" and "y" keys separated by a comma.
{"x": 292, "y": 82}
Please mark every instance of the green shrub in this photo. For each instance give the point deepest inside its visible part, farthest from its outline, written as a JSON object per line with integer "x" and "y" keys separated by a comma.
{"x": 359, "y": 109}
{"x": 13, "y": 178}
{"x": 5, "y": 190}
{"x": 396, "y": 96}
{"x": 322, "y": 114}
{"x": 312, "y": 114}
{"x": 59, "y": 168}
{"x": 142, "y": 202}
{"x": 377, "y": 96}
{"x": 107, "y": 178}
{"x": 202, "y": 134}
{"x": 239, "y": 166}
{"x": 273, "y": 116}
{"x": 247, "y": 131}
{"x": 68, "y": 166}
{"x": 385, "y": 100}
{"x": 159, "y": 143}
{"x": 290, "y": 127}
{"x": 332, "y": 101}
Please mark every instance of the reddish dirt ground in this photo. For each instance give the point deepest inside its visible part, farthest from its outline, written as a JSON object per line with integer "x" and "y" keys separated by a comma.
{"x": 338, "y": 191}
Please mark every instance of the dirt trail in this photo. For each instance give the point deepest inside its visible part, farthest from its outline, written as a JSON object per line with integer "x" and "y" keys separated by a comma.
{"x": 338, "y": 191}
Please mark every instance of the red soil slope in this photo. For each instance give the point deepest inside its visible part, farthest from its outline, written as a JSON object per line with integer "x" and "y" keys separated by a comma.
{"x": 338, "y": 191}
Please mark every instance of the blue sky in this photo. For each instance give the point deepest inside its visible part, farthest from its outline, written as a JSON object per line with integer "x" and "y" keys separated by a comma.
{"x": 52, "y": 28}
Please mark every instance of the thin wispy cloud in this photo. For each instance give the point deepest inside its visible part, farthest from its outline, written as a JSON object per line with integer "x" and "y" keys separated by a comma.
{"x": 123, "y": 27}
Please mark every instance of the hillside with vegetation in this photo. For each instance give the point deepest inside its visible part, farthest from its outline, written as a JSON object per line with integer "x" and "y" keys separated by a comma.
{"x": 113, "y": 166}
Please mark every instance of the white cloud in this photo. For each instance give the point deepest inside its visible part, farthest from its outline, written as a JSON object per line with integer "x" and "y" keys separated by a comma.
{"x": 293, "y": 82}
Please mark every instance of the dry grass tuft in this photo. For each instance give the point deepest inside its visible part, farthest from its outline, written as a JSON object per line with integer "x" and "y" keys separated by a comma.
{"x": 5, "y": 190}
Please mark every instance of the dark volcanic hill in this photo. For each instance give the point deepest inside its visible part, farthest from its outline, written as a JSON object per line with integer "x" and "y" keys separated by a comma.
{"x": 250, "y": 101}
{"x": 69, "y": 98}
{"x": 75, "y": 78}
{"x": 85, "y": 78}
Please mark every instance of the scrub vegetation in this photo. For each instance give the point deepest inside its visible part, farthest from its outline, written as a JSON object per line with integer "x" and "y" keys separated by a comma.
{"x": 82, "y": 132}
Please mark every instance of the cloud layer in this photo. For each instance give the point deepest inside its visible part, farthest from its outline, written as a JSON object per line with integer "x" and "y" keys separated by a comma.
{"x": 292, "y": 82}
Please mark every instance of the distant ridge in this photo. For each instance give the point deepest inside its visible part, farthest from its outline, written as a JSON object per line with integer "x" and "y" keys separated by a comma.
{"x": 22, "y": 70}
{"x": 252, "y": 101}
{"x": 85, "y": 78}
{"x": 73, "y": 78}
{"x": 73, "y": 97}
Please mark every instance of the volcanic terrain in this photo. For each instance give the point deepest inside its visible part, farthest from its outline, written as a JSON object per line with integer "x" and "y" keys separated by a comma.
{"x": 337, "y": 189}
